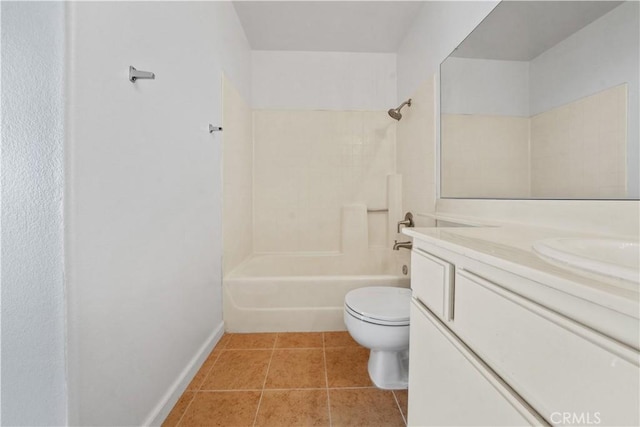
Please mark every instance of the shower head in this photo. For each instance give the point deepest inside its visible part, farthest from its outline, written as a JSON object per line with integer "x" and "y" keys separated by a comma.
{"x": 395, "y": 112}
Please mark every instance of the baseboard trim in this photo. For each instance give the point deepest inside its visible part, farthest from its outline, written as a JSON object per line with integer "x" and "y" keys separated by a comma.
{"x": 169, "y": 399}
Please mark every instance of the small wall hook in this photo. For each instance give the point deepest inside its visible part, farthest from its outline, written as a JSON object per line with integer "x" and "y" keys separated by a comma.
{"x": 137, "y": 74}
{"x": 213, "y": 128}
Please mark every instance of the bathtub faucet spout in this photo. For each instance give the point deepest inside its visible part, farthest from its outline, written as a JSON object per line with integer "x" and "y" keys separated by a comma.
{"x": 397, "y": 245}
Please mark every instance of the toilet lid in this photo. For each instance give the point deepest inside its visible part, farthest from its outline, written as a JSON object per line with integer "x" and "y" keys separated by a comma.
{"x": 383, "y": 303}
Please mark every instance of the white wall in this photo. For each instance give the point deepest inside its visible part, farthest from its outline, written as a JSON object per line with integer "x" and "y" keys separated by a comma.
{"x": 143, "y": 212}
{"x": 436, "y": 31}
{"x": 323, "y": 80}
{"x": 569, "y": 71}
{"x": 482, "y": 86}
{"x": 33, "y": 305}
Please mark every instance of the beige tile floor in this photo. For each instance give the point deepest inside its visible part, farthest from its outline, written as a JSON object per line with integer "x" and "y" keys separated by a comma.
{"x": 287, "y": 379}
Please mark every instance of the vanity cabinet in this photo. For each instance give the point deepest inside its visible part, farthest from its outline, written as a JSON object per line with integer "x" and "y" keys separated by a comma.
{"x": 455, "y": 387}
{"x": 483, "y": 354}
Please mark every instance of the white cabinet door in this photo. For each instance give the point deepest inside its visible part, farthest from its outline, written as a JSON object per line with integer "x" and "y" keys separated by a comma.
{"x": 564, "y": 370}
{"x": 450, "y": 386}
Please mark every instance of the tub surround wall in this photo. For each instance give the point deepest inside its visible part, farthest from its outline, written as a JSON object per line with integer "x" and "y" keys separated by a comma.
{"x": 486, "y": 156}
{"x": 34, "y": 389}
{"x": 308, "y": 165}
{"x": 394, "y": 203}
{"x": 237, "y": 179}
{"x": 354, "y": 232}
{"x": 416, "y": 154}
{"x": 579, "y": 150}
{"x": 143, "y": 201}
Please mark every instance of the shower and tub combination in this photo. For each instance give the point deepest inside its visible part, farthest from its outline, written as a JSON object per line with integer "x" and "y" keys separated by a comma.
{"x": 361, "y": 287}
{"x": 303, "y": 292}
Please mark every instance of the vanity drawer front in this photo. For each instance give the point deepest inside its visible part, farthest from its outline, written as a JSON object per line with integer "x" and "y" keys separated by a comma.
{"x": 557, "y": 365}
{"x": 431, "y": 282}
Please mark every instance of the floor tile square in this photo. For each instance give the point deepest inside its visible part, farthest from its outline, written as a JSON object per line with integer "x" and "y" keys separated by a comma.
{"x": 176, "y": 413}
{"x": 250, "y": 341}
{"x": 297, "y": 368}
{"x": 299, "y": 340}
{"x": 236, "y": 408}
{"x": 280, "y": 408}
{"x": 238, "y": 370}
{"x": 364, "y": 407}
{"x": 348, "y": 367}
{"x": 339, "y": 339}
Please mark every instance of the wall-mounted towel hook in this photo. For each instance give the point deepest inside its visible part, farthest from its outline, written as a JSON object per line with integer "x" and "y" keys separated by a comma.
{"x": 137, "y": 74}
{"x": 213, "y": 128}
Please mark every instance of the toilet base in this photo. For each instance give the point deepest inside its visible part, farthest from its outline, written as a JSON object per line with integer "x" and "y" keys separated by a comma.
{"x": 389, "y": 370}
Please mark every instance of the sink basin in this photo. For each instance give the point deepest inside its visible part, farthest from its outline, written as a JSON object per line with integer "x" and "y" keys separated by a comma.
{"x": 610, "y": 257}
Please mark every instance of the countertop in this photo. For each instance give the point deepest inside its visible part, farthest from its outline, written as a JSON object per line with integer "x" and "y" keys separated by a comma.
{"x": 509, "y": 248}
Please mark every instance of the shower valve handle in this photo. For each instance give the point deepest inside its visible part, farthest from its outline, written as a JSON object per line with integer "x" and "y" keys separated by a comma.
{"x": 408, "y": 221}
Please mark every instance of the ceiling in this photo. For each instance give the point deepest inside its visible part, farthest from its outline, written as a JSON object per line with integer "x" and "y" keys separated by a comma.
{"x": 329, "y": 26}
{"x": 522, "y": 30}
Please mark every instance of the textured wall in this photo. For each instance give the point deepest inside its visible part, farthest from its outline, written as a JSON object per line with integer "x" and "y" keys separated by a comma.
{"x": 33, "y": 312}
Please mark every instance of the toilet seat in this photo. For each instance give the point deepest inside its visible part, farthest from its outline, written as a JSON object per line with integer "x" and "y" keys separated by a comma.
{"x": 388, "y": 306}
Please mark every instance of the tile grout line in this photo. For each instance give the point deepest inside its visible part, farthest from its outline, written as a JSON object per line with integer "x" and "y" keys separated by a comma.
{"x": 264, "y": 383}
{"x": 185, "y": 409}
{"x": 221, "y": 390}
{"x": 398, "y": 405}
{"x": 326, "y": 379}
{"x": 200, "y": 386}
{"x": 355, "y": 388}
{"x": 208, "y": 372}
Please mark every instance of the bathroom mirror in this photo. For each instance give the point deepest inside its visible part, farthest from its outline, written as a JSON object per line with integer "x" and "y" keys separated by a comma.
{"x": 540, "y": 101}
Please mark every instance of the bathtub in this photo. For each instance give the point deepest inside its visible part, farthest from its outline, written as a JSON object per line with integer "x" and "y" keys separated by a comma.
{"x": 303, "y": 292}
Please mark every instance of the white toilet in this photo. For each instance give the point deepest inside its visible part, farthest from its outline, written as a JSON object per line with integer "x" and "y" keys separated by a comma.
{"x": 377, "y": 317}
